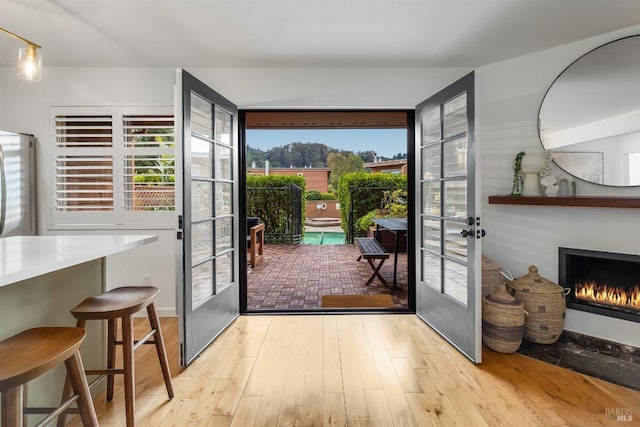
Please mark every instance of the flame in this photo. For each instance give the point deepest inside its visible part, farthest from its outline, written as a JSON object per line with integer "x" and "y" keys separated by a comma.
{"x": 610, "y": 295}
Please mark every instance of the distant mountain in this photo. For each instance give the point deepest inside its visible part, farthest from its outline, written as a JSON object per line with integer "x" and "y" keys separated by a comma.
{"x": 300, "y": 155}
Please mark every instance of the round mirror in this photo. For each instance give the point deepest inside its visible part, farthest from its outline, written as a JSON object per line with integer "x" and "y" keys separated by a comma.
{"x": 590, "y": 117}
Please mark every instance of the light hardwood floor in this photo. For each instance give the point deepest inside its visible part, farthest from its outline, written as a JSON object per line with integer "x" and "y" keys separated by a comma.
{"x": 358, "y": 370}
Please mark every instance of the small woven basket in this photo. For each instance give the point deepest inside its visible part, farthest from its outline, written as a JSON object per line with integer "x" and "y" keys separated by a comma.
{"x": 502, "y": 322}
{"x": 544, "y": 303}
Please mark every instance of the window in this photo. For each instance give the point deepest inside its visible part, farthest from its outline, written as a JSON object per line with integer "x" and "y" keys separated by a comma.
{"x": 113, "y": 165}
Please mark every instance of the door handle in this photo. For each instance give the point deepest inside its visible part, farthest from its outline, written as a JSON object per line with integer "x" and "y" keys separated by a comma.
{"x": 466, "y": 233}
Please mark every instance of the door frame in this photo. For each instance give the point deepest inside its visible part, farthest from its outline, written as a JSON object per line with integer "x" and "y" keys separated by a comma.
{"x": 411, "y": 197}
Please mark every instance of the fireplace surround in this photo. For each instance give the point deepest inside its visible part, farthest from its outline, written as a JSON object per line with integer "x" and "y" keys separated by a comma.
{"x": 604, "y": 283}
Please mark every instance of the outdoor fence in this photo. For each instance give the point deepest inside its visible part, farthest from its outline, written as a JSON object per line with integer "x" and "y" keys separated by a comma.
{"x": 280, "y": 209}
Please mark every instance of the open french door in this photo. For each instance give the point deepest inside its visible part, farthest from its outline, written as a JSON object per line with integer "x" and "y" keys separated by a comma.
{"x": 208, "y": 264}
{"x": 448, "y": 275}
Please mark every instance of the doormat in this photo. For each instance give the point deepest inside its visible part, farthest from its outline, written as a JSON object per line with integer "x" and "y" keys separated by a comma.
{"x": 349, "y": 301}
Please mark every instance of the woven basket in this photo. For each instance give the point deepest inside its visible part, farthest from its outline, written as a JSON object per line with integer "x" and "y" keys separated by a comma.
{"x": 544, "y": 303}
{"x": 492, "y": 280}
{"x": 502, "y": 322}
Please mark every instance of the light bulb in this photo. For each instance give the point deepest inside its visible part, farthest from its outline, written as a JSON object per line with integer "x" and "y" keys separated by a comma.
{"x": 30, "y": 63}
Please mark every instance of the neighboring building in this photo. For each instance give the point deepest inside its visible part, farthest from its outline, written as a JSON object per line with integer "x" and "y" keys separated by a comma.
{"x": 317, "y": 178}
{"x": 388, "y": 166}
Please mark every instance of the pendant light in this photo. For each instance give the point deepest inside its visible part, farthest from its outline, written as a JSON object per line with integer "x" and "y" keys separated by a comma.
{"x": 29, "y": 58}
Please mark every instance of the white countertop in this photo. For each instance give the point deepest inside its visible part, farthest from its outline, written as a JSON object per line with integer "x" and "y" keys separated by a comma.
{"x": 24, "y": 257}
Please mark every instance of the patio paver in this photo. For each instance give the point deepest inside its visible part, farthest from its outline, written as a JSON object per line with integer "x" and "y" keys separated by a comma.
{"x": 296, "y": 277}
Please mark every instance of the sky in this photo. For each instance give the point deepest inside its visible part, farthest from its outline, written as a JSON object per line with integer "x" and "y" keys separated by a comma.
{"x": 385, "y": 142}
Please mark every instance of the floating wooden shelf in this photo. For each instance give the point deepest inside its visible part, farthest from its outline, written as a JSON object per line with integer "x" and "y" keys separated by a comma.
{"x": 579, "y": 201}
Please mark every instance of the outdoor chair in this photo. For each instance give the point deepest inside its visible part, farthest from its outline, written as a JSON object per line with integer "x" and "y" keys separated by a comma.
{"x": 255, "y": 240}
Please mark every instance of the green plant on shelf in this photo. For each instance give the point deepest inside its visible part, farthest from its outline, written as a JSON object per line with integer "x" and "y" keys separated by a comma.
{"x": 516, "y": 190}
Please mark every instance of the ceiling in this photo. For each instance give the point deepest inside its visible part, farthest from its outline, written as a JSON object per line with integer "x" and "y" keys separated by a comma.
{"x": 302, "y": 33}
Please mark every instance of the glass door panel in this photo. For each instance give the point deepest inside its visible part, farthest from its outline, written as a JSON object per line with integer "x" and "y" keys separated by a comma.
{"x": 430, "y": 155}
{"x": 455, "y": 116}
{"x": 431, "y": 231}
{"x": 455, "y": 281}
{"x": 201, "y": 279}
{"x": 431, "y": 274}
{"x": 455, "y": 199}
{"x": 455, "y": 157}
{"x": 431, "y": 126}
{"x": 455, "y": 246}
{"x": 431, "y": 199}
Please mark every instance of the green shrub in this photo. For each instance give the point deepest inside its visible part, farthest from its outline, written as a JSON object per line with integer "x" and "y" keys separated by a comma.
{"x": 273, "y": 207}
{"x": 393, "y": 205}
{"x": 314, "y": 195}
{"x": 368, "y": 192}
{"x": 327, "y": 196}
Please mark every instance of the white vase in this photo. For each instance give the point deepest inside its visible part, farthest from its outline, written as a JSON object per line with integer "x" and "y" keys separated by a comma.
{"x": 531, "y": 165}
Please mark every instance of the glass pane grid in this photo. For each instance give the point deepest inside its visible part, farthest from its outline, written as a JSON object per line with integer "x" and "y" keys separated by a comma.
{"x": 455, "y": 245}
{"x": 455, "y": 281}
{"x": 201, "y": 284}
{"x": 455, "y": 199}
{"x": 455, "y": 158}
{"x": 431, "y": 270}
{"x": 455, "y": 116}
{"x": 201, "y": 116}
{"x": 430, "y": 162}
{"x": 223, "y": 126}
{"x": 430, "y": 122}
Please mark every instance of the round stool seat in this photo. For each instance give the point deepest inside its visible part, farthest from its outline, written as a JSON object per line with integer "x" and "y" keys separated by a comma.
{"x": 33, "y": 352}
{"x": 115, "y": 303}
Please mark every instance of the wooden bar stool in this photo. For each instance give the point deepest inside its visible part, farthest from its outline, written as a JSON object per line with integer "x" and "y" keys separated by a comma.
{"x": 31, "y": 353}
{"x": 122, "y": 303}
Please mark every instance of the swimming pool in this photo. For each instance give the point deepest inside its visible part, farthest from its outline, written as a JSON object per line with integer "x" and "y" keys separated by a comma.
{"x": 323, "y": 238}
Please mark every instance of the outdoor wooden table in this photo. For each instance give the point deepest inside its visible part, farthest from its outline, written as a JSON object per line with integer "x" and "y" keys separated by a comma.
{"x": 397, "y": 226}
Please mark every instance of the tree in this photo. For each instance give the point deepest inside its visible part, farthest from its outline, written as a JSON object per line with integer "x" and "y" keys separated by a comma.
{"x": 341, "y": 163}
{"x": 367, "y": 156}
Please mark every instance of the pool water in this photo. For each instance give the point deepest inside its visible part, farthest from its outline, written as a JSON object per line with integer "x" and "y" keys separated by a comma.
{"x": 323, "y": 238}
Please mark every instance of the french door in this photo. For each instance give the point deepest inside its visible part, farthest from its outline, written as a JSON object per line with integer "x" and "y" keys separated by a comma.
{"x": 208, "y": 271}
{"x": 448, "y": 286}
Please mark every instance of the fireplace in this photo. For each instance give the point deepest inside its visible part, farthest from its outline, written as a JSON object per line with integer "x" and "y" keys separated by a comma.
{"x": 601, "y": 282}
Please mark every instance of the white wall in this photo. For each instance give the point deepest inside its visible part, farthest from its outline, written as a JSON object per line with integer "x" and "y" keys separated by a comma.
{"x": 24, "y": 107}
{"x": 509, "y": 96}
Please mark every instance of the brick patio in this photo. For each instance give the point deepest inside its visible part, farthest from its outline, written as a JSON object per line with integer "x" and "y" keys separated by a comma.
{"x": 296, "y": 277}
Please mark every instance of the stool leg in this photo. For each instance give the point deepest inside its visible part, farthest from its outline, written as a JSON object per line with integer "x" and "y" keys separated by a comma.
{"x": 160, "y": 348}
{"x": 112, "y": 331}
{"x": 11, "y": 407}
{"x": 128, "y": 366}
{"x": 75, "y": 373}
{"x": 67, "y": 390}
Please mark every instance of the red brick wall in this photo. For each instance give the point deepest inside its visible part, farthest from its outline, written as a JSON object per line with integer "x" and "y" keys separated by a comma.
{"x": 330, "y": 212}
{"x": 317, "y": 179}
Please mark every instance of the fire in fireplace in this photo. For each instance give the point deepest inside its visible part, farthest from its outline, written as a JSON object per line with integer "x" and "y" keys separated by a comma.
{"x": 609, "y": 295}
{"x": 601, "y": 282}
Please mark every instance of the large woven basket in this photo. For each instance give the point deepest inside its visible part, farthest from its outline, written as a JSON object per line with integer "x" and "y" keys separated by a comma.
{"x": 492, "y": 280}
{"x": 502, "y": 322}
{"x": 544, "y": 303}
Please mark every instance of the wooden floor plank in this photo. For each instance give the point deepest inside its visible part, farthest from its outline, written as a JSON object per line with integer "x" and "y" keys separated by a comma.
{"x": 318, "y": 363}
{"x": 335, "y": 412}
{"x": 354, "y": 395}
